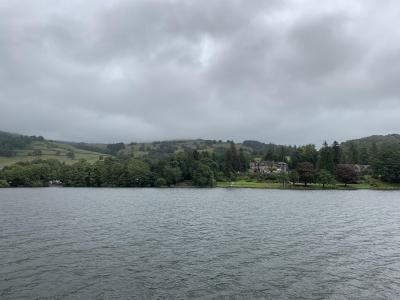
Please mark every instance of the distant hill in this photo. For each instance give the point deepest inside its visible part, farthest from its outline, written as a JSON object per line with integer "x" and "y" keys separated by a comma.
{"x": 261, "y": 148}
{"x": 15, "y": 148}
{"x": 379, "y": 140}
{"x": 362, "y": 150}
{"x": 175, "y": 146}
{"x": 159, "y": 148}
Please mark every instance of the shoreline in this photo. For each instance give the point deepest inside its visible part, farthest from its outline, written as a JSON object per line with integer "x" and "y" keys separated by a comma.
{"x": 309, "y": 187}
{"x": 313, "y": 188}
{"x": 224, "y": 186}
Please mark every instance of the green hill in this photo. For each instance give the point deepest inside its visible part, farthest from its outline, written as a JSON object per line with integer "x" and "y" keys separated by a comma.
{"x": 15, "y": 148}
{"x": 160, "y": 148}
{"x": 365, "y": 149}
{"x": 379, "y": 140}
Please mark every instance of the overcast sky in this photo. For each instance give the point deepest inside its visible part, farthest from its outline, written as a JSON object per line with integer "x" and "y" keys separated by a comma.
{"x": 289, "y": 72}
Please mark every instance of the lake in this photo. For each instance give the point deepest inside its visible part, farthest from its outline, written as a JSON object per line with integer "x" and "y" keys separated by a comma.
{"x": 69, "y": 243}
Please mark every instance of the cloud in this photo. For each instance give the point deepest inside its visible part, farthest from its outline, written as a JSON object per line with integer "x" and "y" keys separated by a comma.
{"x": 277, "y": 71}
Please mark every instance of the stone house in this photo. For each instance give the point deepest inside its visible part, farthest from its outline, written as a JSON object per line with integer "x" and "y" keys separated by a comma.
{"x": 268, "y": 166}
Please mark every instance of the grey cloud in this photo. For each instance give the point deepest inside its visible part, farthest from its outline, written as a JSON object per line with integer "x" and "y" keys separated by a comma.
{"x": 279, "y": 71}
{"x": 322, "y": 47}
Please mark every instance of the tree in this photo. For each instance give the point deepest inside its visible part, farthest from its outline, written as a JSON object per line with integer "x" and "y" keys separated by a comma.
{"x": 326, "y": 158}
{"x": 71, "y": 154}
{"x": 294, "y": 176}
{"x": 295, "y": 158}
{"x": 363, "y": 156}
{"x": 281, "y": 153}
{"x": 137, "y": 173}
{"x": 387, "y": 165}
{"x": 172, "y": 174}
{"x": 309, "y": 154}
{"x": 77, "y": 174}
{"x": 282, "y": 178}
{"x": 115, "y": 148}
{"x": 228, "y": 161}
{"x": 269, "y": 155}
{"x": 306, "y": 172}
{"x": 236, "y": 163}
{"x": 244, "y": 161}
{"x": 336, "y": 152}
{"x": 374, "y": 152}
{"x": 346, "y": 173}
{"x": 203, "y": 176}
{"x": 353, "y": 154}
{"x": 11, "y": 142}
{"x": 325, "y": 177}
{"x": 196, "y": 155}
{"x": 35, "y": 173}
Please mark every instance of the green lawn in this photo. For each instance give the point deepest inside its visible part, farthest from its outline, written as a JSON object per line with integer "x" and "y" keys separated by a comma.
{"x": 249, "y": 184}
{"x": 273, "y": 185}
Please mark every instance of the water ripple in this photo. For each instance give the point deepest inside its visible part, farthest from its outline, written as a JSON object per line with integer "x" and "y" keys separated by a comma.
{"x": 191, "y": 243}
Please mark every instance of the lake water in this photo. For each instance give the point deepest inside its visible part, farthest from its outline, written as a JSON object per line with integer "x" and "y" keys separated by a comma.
{"x": 65, "y": 243}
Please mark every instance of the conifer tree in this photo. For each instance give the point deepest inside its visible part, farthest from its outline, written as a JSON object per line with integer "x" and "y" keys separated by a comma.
{"x": 326, "y": 158}
{"x": 336, "y": 153}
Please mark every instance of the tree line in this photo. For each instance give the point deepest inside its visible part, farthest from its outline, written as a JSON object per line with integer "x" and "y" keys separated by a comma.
{"x": 342, "y": 164}
{"x": 192, "y": 167}
{"x": 203, "y": 168}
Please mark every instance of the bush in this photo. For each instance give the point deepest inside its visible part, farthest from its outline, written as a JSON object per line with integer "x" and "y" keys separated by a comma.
{"x": 370, "y": 180}
{"x": 3, "y": 183}
{"x": 38, "y": 183}
{"x": 346, "y": 173}
{"x": 219, "y": 176}
{"x": 160, "y": 182}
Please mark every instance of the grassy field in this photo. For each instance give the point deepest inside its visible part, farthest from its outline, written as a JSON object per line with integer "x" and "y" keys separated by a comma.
{"x": 50, "y": 150}
{"x": 274, "y": 185}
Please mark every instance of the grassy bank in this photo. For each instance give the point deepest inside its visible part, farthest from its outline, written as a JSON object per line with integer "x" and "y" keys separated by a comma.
{"x": 314, "y": 186}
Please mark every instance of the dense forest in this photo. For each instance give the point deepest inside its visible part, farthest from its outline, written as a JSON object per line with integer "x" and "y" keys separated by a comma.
{"x": 201, "y": 163}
